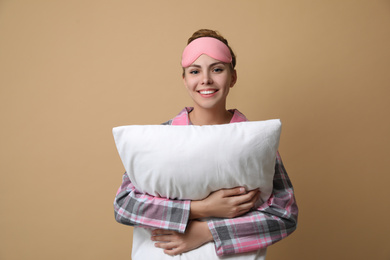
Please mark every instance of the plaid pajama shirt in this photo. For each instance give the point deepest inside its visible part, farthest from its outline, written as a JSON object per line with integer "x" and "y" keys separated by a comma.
{"x": 257, "y": 229}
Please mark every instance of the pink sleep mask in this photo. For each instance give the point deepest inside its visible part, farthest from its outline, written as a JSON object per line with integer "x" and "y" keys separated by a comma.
{"x": 205, "y": 45}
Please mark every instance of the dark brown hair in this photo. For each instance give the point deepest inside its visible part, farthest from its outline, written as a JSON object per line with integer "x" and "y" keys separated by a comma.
{"x": 211, "y": 33}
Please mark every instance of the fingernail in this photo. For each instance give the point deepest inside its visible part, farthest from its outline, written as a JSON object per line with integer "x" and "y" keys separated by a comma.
{"x": 242, "y": 190}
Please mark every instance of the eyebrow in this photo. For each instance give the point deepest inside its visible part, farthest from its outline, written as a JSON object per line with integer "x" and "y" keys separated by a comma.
{"x": 212, "y": 64}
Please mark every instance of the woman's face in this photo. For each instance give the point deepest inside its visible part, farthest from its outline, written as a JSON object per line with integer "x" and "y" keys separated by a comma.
{"x": 208, "y": 82}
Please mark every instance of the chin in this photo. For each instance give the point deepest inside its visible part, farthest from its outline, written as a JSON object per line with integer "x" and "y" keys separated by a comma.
{"x": 208, "y": 106}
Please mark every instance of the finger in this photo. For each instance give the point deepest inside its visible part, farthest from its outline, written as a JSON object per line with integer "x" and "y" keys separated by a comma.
{"x": 234, "y": 191}
{"x": 169, "y": 252}
{"x": 255, "y": 197}
{"x": 246, "y": 197}
{"x": 242, "y": 212}
{"x": 250, "y": 204}
{"x": 166, "y": 246}
{"x": 255, "y": 194}
{"x": 246, "y": 206}
{"x": 162, "y": 238}
{"x": 157, "y": 232}
{"x": 173, "y": 251}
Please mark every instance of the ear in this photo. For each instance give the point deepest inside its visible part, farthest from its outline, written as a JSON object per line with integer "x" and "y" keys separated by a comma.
{"x": 234, "y": 78}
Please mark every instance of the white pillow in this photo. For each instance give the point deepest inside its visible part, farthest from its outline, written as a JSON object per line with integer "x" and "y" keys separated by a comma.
{"x": 190, "y": 162}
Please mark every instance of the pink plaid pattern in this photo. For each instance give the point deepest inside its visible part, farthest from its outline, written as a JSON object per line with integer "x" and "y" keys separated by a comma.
{"x": 269, "y": 223}
{"x": 135, "y": 208}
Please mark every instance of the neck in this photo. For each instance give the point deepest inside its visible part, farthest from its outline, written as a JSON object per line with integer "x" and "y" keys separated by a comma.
{"x": 201, "y": 116}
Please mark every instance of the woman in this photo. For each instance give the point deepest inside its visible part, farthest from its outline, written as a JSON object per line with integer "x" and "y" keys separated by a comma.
{"x": 226, "y": 222}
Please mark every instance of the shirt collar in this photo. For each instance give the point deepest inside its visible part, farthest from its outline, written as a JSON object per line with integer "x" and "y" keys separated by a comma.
{"x": 183, "y": 119}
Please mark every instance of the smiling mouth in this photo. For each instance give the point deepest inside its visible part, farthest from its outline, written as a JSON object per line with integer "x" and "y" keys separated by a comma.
{"x": 207, "y": 92}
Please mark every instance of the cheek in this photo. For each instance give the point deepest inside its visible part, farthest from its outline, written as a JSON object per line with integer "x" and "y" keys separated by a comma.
{"x": 226, "y": 83}
{"x": 185, "y": 82}
{"x": 189, "y": 83}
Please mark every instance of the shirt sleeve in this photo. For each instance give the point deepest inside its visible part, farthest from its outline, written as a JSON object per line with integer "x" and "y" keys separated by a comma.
{"x": 269, "y": 223}
{"x": 134, "y": 208}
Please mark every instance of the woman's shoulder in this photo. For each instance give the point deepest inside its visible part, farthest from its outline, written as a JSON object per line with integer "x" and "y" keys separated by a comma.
{"x": 237, "y": 116}
{"x": 169, "y": 122}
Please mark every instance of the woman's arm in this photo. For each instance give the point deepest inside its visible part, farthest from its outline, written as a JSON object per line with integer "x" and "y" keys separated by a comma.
{"x": 271, "y": 222}
{"x": 137, "y": 209}
{"x": 134, "y": 208}
{"x": 225, "y": 203}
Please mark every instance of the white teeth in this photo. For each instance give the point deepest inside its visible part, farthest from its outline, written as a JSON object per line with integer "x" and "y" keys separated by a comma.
{"x": 205, "y": 92}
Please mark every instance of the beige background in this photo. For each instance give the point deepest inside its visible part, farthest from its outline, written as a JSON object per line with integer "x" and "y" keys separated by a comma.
{"x": 72, "y": 70}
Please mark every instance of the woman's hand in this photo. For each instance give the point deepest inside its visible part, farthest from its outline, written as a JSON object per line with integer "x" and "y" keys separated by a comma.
{"x": 225, "y": 203}
{"x": 174, "y": 243}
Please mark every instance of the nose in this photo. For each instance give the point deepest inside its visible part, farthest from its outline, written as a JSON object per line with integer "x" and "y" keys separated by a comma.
{"x": 206, "y": 79}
